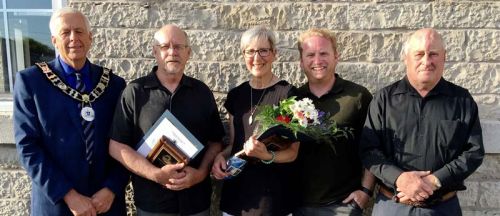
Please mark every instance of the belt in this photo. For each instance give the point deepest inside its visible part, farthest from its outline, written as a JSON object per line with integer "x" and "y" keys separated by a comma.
{"x": 421, "y": 204}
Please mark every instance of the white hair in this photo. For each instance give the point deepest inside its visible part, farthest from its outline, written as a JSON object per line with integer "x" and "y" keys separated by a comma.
{"x": 406, "y": 45}
{"x": 61, "y": 12}
{"x": 257, "y": 33}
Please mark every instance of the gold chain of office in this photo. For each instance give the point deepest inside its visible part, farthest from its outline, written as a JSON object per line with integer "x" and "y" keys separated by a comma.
{"x": 85, "y": 98}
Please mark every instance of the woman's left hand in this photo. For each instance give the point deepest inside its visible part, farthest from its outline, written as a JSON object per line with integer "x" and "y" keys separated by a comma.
{"x": 257, "y": 149}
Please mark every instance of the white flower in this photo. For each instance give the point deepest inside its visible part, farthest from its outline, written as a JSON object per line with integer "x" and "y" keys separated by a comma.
{"x": 305, "y": 111}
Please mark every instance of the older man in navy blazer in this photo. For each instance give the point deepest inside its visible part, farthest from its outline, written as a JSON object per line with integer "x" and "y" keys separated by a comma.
{"x": 62, "y": 115}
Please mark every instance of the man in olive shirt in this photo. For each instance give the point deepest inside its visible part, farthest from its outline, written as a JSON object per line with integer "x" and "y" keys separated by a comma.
{"x": 422, "y": 136}
{"x": 331, "y": 182}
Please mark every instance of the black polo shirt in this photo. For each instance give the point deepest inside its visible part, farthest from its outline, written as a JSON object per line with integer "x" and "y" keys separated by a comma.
{"x": 329, "y": 176}
{"x": 440, "y": 133}
{"x": 142, "y": 102}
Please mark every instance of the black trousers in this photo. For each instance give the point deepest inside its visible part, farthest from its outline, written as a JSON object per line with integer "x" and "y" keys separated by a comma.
{"x": 387, "y": 207}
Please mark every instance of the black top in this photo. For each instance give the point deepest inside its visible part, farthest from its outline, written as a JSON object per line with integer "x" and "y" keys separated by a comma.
{"x": 263, "y": 187}
{"x": 142, "y": 103}
{"x": 328, "y": 176}
{"x": 440, "y": 133}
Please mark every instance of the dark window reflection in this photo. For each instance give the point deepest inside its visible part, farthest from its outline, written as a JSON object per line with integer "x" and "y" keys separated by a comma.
{"x": 30, "y": 41}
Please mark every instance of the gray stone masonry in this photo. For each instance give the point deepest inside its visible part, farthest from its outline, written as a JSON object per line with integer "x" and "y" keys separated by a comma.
{"x": 370, "y": 34}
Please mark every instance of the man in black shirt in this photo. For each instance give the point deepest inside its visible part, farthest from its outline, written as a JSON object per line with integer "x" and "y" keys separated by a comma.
{"x": 179, "y": 189}
{"x": 422, "y": 136}
{"x": 332, "y": 179}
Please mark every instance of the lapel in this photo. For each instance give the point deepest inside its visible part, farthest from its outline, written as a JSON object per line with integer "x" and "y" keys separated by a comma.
{"x": 71, "y": 107}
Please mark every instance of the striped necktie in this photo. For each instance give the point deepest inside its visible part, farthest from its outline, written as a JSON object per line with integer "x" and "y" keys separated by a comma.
{"x": 87, "y": 126}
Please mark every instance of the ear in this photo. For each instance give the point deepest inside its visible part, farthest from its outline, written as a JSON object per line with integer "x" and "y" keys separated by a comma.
{"x": 154, "y": 50}
{"x": 336, "y": 56}
{"x": 90, "y": 36}
{"x": 189, "y": 52}
{"x": 53, "y": 39}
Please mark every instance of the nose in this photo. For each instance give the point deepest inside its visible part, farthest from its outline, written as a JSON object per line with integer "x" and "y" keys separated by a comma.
{"x": 426, "y": 59}
{"x": 256, "y": 55}
{"x": 171, "y": 50}
{"x": 72, "y": 35}
{"x": 316, "y": 59}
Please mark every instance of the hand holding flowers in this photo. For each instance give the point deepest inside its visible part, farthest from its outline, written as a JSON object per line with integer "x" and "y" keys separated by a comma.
{"x": 301, "y": 116}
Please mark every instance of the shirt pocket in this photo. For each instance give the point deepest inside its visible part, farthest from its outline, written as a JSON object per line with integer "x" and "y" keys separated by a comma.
{"x": 451, "y": 133}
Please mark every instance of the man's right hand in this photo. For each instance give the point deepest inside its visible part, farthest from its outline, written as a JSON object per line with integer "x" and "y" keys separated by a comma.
{"x": 169, "y": 171}
{"x": 78, "y": 204}
{"x": 219, "y": 167}
{"x": 413, "y": 187}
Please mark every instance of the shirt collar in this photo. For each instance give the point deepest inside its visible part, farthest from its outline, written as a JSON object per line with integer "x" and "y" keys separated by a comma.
{"x": 68, "y": 70}
{"x": 152, "y": 81}
{"x": 404, "y": 87}
{"x": 337, "y": 87}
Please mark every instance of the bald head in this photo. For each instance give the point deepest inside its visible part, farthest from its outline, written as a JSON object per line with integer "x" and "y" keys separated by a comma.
{"x": 169, "y": 29}
{"x": 416, "y": 37}
{"x": 424, "y": 56}
{"x": 171, "y": 50}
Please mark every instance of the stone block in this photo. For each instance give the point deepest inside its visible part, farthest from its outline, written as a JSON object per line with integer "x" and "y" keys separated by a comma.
{"x": 456, "y": 44}
{"x": 353, "y": 46}
{"x": 483, "y": 45}
{"x": 468, "y": 198}
{"x": 385, "y": 16}
{"x": 123, "y": 43}
{"x": 489, "y": 106}
{"x": 8, "y": 157}
{"x": 477, "y": 78}
{"x": 488, "y": 194}
{"x": 215, "y": 45}
{"x": 466, "y": 14}
{"x": 14, "y": 185}
{"x": 114, "y": 14}
{"x": 286, "y": 43}
{"x": 187, "y": 15}
{"x": 219, "y": 77}
{"x": 291, "y": 72}
{"x": 385, "y": 47}
{"x": 305, "y": 15}
{"x": 14, "y": 207}
{"x": 129, "y": 69}
{"x": 359, "y": 73}
{"x": 491, "y": 135}
{"x": 244, "y": 16}
{"x": 7, "y": 132}
{"x": 389, "y": 73}
{"x": 489, "y": 169}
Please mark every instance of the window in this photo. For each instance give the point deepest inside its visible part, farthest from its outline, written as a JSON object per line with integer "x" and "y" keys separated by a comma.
{"x": 25, "y": 37}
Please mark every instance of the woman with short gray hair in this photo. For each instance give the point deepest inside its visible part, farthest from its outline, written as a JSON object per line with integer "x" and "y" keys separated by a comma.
{"x": 264, "y": 186}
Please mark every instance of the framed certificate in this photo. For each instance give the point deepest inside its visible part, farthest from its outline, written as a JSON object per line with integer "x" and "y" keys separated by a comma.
{"x": 168, "y": 141}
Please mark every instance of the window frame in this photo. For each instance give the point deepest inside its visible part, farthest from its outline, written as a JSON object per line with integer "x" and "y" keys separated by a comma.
{"x": 6, "y": 105}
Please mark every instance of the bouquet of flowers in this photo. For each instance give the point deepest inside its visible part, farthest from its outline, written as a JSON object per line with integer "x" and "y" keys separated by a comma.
{"x": 301, "y": 116}
{"x": 295, "y": 116}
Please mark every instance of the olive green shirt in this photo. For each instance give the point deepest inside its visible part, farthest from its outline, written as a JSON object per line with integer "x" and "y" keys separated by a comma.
{"x": 328, "y": 176}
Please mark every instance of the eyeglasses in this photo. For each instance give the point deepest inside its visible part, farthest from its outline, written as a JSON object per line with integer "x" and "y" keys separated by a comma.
{"x": 175, "y": 47}
{"x": 262, "y": 52}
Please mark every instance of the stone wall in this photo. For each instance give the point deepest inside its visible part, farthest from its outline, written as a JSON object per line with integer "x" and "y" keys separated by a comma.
{"x": 370, "y": 34}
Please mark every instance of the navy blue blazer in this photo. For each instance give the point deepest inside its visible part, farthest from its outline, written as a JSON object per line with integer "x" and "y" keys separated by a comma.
{"x": 49, "y": 141}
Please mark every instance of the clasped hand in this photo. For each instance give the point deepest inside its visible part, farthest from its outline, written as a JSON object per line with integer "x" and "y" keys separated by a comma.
{"x": 415, "y": 186}
{"x": 81, "y": 205}
{"x": 178, "y": 176}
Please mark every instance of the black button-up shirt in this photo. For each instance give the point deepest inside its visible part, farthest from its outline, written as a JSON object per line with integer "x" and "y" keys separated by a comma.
{"x": 440, "y": 133}
{"x": 143, "y": 101}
